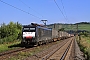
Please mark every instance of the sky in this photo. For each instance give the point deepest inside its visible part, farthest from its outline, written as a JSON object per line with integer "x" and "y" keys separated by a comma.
{"x": 28, "y": 11}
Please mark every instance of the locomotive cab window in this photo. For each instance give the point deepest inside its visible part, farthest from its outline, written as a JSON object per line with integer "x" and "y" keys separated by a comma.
{"x": 25, "y": 29}
{"x": 28, "y": 29}
{"x": 32, "y": 29}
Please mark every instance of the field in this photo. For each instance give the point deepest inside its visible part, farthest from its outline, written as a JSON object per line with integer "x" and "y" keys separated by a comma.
{"x": 80, "y": 27}
{"x": 71, "y": 26}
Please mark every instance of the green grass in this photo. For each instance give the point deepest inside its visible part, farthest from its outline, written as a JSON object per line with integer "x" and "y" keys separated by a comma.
{"x": 87, "y": 39}
{"x": 22, "y": 55}
{"x": 72, "y": 27}
{"x": 80, "y": 27}
{"x": 84, "y": 27}
{"x": 85, "y": 43}
{"x": 5, "y": 47}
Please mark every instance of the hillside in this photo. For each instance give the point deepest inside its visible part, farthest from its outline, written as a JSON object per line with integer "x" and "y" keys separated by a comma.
{"x": 70, "y": 26}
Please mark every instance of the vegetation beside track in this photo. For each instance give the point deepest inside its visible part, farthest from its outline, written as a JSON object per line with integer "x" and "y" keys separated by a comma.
{"x": 84, "y": 43}
{"x": 10, "y": 32}
{"x": 9, "y": 46}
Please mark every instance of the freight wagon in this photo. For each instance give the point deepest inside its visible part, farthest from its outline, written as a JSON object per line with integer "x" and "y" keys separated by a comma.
{"x": 36, "y": 34}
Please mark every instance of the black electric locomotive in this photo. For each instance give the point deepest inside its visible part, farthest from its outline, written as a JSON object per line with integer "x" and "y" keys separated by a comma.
{"x": 35, "y": 34}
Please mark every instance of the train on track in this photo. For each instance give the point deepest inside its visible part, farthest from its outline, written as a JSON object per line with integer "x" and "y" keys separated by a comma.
{"x": 35, "y": 34}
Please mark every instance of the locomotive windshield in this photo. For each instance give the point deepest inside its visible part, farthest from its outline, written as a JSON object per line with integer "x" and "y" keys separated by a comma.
{"x": 32, "y": 29}
{"x": 28, "y": 29}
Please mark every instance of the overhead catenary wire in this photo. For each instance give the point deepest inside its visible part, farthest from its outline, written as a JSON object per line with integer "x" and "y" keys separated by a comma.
{"x": 65, "y": 13}
{"x": 60, "y": 10}
{"x": 64, "y": 9}
{"x": 30, "y": 7}
{"x": 19, "y": 9}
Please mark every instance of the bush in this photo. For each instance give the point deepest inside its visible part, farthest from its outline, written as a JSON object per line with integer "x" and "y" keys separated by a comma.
{"x": 10, "y": 32}
{"x": 88, "y": 50}
{"x": 1, "y": 41}
{"x": 84, "y": 33}
{"x": 8, "y": 39}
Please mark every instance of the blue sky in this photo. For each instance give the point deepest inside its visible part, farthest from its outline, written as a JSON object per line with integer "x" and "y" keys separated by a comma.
{"x": 76, "y": 11}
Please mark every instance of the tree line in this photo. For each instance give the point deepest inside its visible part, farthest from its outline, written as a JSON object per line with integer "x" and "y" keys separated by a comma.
{"x": 83, "y": 23}
{"x": 10, "y": 32}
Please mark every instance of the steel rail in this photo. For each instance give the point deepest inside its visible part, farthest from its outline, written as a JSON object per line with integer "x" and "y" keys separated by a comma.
{"x": 12, "y": 51}
{"x": 52, "y": 52}
{"x": 66, "y": 51}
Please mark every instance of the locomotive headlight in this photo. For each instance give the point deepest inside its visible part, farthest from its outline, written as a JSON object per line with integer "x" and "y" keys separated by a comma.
{"x": 24, "y": 33}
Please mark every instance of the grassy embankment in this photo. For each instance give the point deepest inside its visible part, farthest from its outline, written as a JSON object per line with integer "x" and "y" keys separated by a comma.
{"x": 9, "y": 46}
{"x": 85, "y": 46}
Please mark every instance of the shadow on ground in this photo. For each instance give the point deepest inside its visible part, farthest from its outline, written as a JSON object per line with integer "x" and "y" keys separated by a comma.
{"x": 16, "y": 45}
{"x": 19, "y": 45}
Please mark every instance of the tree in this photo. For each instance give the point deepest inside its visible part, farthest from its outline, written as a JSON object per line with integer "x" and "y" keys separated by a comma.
{"x": 62, "y": 29}
{"x": 10, "y": 32}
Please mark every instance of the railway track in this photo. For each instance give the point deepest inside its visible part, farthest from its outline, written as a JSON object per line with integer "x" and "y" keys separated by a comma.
{"x": 56, "y": 52}
{"x": 71, "y": 52}
{"x": 59, "y": 53}
{"x": 11, "y": 51}
{"x": 66, "y": 51}
{"x": 8, "y": 54}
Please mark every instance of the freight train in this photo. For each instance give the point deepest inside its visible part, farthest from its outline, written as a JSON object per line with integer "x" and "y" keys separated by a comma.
{"x": 36, "y": 34}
